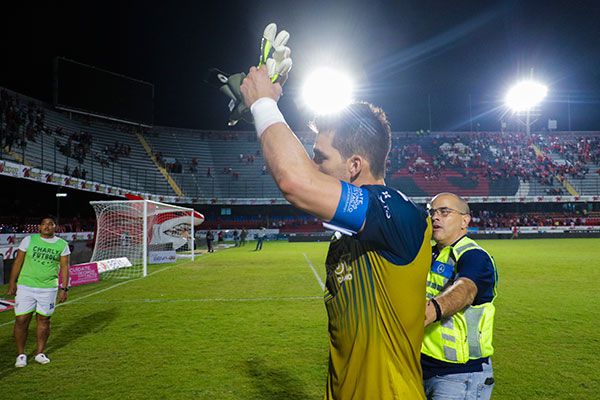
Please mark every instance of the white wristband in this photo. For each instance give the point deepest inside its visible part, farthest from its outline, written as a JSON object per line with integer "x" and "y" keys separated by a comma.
{"x": 265, "y": 113}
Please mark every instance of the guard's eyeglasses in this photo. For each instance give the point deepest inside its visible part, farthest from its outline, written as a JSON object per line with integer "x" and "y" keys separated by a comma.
{"x": 443, "y": 211}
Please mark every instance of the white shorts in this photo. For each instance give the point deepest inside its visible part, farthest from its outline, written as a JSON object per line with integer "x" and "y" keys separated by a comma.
{"x": 41, "y": 300}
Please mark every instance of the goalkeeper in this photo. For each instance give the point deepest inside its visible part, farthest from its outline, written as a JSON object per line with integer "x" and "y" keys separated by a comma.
{"x": 379, "y": 257}
{"x": 37, "y": 267}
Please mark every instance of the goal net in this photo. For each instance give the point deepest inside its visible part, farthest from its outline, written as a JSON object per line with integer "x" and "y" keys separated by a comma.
{"x": 132, "y": 234}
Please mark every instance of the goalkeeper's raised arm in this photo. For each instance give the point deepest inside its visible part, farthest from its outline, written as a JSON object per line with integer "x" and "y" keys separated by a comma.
{"x": 298, "y": 177}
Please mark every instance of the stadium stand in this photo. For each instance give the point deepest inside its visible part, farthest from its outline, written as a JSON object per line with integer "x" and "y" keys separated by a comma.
{"x": 214, "y": 165}
{"x": 108, "y": 152}
{"x": 227, "y": 164}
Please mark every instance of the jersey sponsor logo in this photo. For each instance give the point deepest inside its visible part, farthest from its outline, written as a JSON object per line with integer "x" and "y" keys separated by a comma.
{"x": 339, "y": 271}
{"x": 343, "y": 272}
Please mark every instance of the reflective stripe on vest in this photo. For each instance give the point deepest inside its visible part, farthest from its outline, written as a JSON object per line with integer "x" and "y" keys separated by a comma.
{"x": 468, "y": 333}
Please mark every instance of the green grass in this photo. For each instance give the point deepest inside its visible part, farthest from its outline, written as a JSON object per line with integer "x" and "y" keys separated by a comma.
{"x": 239, "y": 324}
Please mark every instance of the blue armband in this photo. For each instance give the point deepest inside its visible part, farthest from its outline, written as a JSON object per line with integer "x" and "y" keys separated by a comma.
{"x": 351, "y": 210}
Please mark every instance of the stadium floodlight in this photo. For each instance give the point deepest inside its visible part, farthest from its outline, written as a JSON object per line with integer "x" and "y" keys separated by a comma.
{"x": 327, "y": 91}
{"x": 525, "y": 95}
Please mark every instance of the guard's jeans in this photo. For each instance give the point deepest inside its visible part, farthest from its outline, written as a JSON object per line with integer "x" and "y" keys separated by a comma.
{"x": 468, "y": 386}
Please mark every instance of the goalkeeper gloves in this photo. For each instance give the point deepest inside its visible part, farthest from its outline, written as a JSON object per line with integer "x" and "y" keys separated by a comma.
{"x": 273, "y": 53}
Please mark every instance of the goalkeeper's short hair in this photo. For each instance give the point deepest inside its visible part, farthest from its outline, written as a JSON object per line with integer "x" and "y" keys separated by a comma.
{"x": 360, "y": 128}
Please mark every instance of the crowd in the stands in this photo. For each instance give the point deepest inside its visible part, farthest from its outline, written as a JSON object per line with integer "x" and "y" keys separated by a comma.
{"x": 492, "y": 219}
{"x": 20, "y": 122}
{"x": 496, "y": 156}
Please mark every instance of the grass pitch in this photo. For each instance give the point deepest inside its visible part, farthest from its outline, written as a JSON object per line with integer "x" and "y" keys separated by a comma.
{"x": 239, "y": 324}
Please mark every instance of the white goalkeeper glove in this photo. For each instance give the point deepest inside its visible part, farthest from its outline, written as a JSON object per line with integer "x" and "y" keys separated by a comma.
{"x": 273, "y": 53}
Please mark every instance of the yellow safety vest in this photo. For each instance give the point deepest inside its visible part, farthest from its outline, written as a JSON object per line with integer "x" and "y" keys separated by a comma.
{"x": 466, "y": 335}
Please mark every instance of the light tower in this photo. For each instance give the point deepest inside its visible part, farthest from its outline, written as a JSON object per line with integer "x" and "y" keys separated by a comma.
{"x": 524, "y": 99}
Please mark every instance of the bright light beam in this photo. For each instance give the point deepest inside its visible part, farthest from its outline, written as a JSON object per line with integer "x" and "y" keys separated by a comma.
{"x": 525, "y": 95}
{"x": 327, "y": 91}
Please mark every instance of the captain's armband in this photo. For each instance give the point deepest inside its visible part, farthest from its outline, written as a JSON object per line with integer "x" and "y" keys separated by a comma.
{"x": 351, "y": 211}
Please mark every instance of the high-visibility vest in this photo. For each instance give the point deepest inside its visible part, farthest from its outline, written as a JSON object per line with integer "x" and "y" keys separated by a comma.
{"x": 466, "y": 335}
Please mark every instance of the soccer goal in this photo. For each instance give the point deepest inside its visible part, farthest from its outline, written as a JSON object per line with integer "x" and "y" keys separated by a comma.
{"x": 130, "y": 234}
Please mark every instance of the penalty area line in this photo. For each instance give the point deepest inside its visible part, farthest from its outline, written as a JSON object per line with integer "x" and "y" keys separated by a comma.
{"x": 314, "y": 272}
{"x": 206, "y": 300}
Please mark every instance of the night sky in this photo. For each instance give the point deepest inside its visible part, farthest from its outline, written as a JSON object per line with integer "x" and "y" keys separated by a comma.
{"x": 400, "y": 53}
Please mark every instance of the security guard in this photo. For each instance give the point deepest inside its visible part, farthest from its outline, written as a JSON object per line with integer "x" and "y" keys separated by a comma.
{"x": 459, "y": 314}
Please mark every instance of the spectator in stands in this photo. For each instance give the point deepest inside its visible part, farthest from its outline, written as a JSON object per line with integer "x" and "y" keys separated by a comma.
{"x": 208, "y": 172}
{"x": 40, "y": 259}
{"x": 159, "y": 158}
{"x": 177, "y": 167}
{"x": 194, "y": 165}
{"x": 461, "y": 287}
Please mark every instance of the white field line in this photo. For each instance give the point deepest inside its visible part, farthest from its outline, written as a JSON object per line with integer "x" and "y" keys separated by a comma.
{"x": 101, "y": 291}
{"x": 206, "y": 300}
{"x": 314, "y": 272}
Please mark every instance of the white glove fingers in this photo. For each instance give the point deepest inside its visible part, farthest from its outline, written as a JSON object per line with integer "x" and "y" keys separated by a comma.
{"x": 271, "y": 67}
{"x": 281, "y": 39}
{"x": 281, "y": 53}
{"x": 284, "y": 67}
{"x": 270, "y": 31}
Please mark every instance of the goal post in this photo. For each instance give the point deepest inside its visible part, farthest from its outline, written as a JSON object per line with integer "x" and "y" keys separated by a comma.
{"x": 131, "y": 234}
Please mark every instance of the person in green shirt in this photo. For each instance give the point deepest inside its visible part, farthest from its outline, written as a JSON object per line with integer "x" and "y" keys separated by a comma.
{"x": 34, "y": 281}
